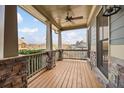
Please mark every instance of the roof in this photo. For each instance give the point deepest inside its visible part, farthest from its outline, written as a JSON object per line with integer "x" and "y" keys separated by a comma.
{"x": 21, "y": 41}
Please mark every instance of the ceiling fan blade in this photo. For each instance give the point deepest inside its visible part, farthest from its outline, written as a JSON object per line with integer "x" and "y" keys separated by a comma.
{"x": 75, "y": 18}
{"x": 63, "y": 22}
{"x": 72, "y": 22}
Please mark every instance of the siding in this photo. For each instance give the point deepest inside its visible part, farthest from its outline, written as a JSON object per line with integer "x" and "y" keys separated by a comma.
{"x": 117, "y": 28}
{"x": 116, "y": 75}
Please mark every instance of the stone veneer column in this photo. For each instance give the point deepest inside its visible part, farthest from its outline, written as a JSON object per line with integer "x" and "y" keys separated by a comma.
{"x": 13, "y": 71}
{"x": 8, "y": 31}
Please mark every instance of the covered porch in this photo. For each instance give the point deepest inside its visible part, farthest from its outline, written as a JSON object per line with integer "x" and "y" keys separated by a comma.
{"x": 62, "y": 68}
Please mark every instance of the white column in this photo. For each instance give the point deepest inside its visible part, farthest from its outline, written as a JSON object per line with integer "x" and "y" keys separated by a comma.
{"x": 49, "y": 36}
{"x": 8, "y": 31}
{"x": 59, "y": 40}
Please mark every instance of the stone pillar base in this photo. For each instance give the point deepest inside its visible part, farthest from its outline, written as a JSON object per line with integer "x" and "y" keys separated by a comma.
{"x": 60, "y": 55}
{"x": 50, "y": 60}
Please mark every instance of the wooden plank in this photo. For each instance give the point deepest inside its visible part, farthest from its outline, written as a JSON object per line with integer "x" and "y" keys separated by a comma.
{"x": 48, "y": 77}
{"x": 63, "y": 77}
{"x": 42, "y": 77}
{"x": 55, "y": 76}
{"x": 94, "y": 79}
{"x": 76, "y": 72}
{"x": 36, "y": 82}
{"x": 87, "y": 77}
{"x": 74, "y": 77}
{"x": 67, "y": 73}
{"x": 69, "y": 85}
{"x": 30, "y": 80}
{"x": 83, "y": 78}
{"x": 52, "y": 76}
{"x": 64, "y": 85}
{"x": 56, "y": 80}
{"x": 78, "y": 75}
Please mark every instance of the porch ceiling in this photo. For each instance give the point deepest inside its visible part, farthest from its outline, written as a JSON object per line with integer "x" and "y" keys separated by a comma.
{"x": 56, "y": 14}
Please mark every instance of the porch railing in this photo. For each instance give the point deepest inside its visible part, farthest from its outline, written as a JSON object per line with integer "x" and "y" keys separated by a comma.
{"x": 37, "y": 62}
{"x": 75, "y": 54}
{"x": 19, "y": 68}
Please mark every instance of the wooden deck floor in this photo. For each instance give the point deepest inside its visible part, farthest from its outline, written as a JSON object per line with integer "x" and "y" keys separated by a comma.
{"x": 67, "y": 74}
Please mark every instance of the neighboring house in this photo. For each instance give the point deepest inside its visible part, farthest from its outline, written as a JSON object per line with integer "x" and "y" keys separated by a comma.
{"x": 55, "y": 46}
{"x": 34, "y": 46}
{"x": 79, "y": 45}
{"x": 22, "y": 44}
{"x": 66, "y": 46}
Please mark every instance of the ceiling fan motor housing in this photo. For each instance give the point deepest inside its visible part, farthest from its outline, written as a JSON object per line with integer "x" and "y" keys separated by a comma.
{"x": 68, "y": 18}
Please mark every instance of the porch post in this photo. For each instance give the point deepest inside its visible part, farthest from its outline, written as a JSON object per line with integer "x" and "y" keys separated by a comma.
{"x": 49, "y": 37}
{"x": 8, "y": 31}
{"x": 89, "y": 41}
{"x": 59, "y": 40}
{"x": 50, "y": 53}
{"x": 60, "y": 45}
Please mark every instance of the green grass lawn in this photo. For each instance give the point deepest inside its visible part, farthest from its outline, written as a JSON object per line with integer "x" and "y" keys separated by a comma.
{"x": 26, "y": 52}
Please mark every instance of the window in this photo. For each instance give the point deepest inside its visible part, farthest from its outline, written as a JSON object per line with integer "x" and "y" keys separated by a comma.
{"x": 103, "y": 29}
{"x": 102, "y": 26}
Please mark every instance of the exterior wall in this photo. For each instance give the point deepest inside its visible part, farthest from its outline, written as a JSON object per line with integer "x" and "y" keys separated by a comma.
{"x": 93, "y": 51}
{"x": 93, "y": 43}
{"x": 93, "y": 25}
{"x": 116, "y": 54}
{"x": 13, "y": 73}
{"x": 116, "y": 67}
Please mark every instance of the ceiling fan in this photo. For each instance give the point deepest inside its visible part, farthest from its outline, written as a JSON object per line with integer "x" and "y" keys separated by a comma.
{"x": 70, "y": 18}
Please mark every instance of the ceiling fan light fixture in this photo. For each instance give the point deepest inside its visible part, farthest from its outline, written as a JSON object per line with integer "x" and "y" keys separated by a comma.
{"x": 109, "y": 10}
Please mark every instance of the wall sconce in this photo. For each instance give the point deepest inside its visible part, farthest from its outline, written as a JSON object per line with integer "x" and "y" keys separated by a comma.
{"x": 109, "y": 10}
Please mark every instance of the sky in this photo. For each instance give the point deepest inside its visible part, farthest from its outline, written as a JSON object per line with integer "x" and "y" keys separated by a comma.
{"x": 34, "y": 31}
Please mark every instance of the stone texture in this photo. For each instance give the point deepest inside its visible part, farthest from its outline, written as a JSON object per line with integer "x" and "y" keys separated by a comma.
{"x": 93, "y": 58}
{"x": 116, "y": 73}
{"x": 60, "y": 55}
{"x": 13, "y": 73}
{"x": 51, "y": 60}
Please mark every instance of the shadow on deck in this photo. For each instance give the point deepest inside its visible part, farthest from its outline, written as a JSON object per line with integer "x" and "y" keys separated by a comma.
{"x": 67, "y": 74}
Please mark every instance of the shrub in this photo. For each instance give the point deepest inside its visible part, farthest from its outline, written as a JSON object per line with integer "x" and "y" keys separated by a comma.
{"x": 26, "y": 52}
